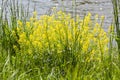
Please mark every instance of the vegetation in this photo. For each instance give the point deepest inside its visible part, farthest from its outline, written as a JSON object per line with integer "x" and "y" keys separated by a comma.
{"x": 116, "y": 8}
{"x": 56, "y": 47}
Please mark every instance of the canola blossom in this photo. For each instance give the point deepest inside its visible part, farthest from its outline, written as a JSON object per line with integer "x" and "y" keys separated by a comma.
{"x": 60, "y": 33}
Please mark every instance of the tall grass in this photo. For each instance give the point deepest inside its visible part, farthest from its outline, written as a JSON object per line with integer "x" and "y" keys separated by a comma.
{"x": 55, "y": 47}
{"x": 116, "y": 8}
{"x": 11, "y": 11}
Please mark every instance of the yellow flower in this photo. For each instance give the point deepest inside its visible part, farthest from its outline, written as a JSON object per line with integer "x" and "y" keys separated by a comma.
{"x": 18, "y": 29}
{"x": 102, "y": 17}
{"x": 22, "y": 38}
{"x": 28, "y": 43}
{"x": 89, "y": 14}
{"x": 31, "y": 19}
{"x": 19, "y": 23}
{"x": 44, "y": 36}
{"x": 106, "y": 41}
{"x": 28, "y": 24}
{"x": 93, "y": 51}
{"x": 34, "y": 14}
{"x": 85, "y": 46}
{"x": 35, "y": 43}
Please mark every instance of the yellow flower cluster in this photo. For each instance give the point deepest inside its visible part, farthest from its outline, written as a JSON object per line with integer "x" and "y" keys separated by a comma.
{"x": 54, "y": 33}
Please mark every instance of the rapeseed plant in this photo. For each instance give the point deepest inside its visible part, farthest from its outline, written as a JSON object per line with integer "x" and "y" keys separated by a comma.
{"x": 59, "y": 32}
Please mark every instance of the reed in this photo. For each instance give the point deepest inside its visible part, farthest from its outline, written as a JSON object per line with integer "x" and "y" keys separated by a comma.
{"x": 9, "y": 14}
{"x": 116, "y": 9}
